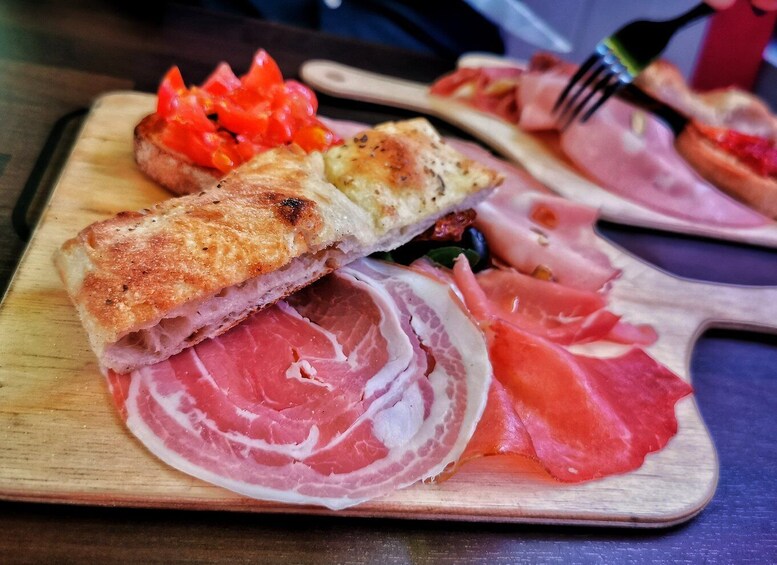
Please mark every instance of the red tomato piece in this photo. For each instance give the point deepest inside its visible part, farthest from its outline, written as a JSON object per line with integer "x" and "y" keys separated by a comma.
{"x": 263, "y": 73}
{"x": 279, "y": 127}
{"x": 222, "y": 81}
{"x": 315, "y": 137}
{"x": 301, "y": 99}
{"x": 178, "y": 137}
{"x": 251, "y": 123}
{"x": 171, "y": 87}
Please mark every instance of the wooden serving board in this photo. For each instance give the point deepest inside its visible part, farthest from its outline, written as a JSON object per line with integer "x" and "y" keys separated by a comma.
{"x": 62, "y": 440}
{"x": 530, "y": 151}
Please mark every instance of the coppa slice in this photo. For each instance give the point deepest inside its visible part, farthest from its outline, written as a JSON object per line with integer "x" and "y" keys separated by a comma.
{"x": 368, "y": 381}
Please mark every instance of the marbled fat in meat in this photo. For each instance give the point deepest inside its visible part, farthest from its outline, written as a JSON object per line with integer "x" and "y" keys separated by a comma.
{"x": 369, "y": 381}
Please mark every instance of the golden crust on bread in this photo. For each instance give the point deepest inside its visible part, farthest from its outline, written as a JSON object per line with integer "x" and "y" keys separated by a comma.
{"x": 421, "y": 173}
{"x": 126, "y": 272}
{"x": 727, "y": 172}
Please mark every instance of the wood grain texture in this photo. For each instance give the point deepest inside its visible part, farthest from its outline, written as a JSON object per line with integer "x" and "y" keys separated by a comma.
{"x": 528, "y": 150}
{"x": 33, "y": 99}
{"x": 64, "y": 443}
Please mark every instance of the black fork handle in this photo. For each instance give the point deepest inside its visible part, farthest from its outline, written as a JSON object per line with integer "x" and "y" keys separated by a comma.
{"x": 693, "y": 14}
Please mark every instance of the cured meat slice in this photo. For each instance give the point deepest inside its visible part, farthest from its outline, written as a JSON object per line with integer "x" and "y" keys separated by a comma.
{"x": 533, "y": 230}
{"x": 545, "y": 235}
{"x": 491, "y": 89}
{"x": 643, "y": 165}
{"x": 561, "y": 314}
{"x": 633, "y": 155}
{"x": 580, "y": 417}
{"x": 586, "y": 417}
{"x": 370, "y": 380}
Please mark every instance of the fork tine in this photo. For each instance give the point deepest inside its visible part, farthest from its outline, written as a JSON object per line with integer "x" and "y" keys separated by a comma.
{"x": 584, "y": 87}
{"x": 601, "y": 85}
{"x": 609, "y": 90}
{"x": 575, "y": 79}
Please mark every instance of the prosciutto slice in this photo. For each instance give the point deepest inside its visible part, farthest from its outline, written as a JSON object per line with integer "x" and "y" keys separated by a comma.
{"x": 580, "y": 417}
{"x": 368, "y": 381}
{"x": 555, "y": 312}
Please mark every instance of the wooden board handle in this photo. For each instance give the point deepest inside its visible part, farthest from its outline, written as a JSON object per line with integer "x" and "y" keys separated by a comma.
{"x": 351, "y": 83}
{"x": 355, "y": 84}
{"x": 741, "y": 307}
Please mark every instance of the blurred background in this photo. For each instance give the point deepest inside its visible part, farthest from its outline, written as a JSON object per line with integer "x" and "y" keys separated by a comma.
{"x": 733, "y": 47}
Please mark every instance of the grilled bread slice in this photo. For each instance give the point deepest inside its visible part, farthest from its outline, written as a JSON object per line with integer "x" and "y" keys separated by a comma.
{"x": 727, "y": 172}
{"x": 149, "y": 284}
{"x": 174, "y": 171}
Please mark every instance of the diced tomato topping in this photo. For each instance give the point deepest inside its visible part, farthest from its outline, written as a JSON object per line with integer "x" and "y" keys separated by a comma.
{"x": 222, "y": 81}
{"x": 171, "y": 87}
{"x": 301, "y": 99}
{"x": 315, "y": 137}
{"x": 264, "y": 72}
{"x": 229, "y": 119}
{"x": 178, "y": 137}
{"x": 252, "y": 124}
{"x": 191, "y": 113}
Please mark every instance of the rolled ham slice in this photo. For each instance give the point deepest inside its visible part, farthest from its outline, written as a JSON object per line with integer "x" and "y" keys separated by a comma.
{"x": 368, "y": 381}
{"x": 631, "y": 153}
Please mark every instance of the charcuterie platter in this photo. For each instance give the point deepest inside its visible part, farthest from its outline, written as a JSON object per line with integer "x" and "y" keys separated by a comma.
{"x": 539, "y": 154}
{"x": 64, "y": 442}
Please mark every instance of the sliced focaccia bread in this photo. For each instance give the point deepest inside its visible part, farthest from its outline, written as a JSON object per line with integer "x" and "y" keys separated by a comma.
{"x": 149, "y": 284}
{"x": 418, "y": 172}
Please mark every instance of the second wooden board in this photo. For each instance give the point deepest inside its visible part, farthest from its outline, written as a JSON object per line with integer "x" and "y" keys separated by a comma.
{"x": 530, "y": 151}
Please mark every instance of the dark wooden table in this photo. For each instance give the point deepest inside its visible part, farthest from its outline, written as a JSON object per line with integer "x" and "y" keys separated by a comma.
{"x": 55, "y": 57}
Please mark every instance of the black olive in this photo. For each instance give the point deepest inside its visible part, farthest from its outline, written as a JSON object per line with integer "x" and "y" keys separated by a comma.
{"x": 473, "y": 242}
{"x": 473, "y": 239}
{"x": 413, "y": 250}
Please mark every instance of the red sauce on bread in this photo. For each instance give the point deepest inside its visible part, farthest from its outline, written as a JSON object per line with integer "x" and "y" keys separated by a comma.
{"x": 758, "y": 153}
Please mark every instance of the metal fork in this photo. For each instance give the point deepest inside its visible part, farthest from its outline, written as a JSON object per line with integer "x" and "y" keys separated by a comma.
{"x": 616, "y": 61}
